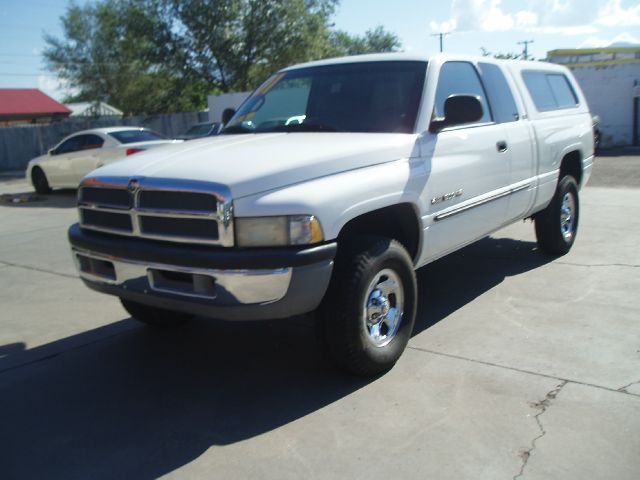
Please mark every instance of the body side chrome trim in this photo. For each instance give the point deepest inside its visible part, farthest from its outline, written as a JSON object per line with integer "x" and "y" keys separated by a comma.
{"x": 477, "y": 203}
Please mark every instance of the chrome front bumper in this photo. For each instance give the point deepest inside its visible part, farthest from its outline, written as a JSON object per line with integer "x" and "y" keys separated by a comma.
{"x": 224, "y": 283}
{"x": 225, "y": 287}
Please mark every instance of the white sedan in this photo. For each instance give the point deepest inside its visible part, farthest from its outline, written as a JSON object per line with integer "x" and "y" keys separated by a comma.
{"x": 65, "y": 164}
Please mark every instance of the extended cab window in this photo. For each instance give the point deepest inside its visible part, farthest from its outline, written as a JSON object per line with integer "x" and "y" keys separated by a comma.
{"x": 549, "y": 91}
{"x": 357, "y": 97}
{"x": 460, "y": 78}
{"x": 499, "y": 92}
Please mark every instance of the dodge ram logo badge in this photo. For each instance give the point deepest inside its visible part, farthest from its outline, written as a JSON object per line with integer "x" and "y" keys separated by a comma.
{"x": 133, "y": 185}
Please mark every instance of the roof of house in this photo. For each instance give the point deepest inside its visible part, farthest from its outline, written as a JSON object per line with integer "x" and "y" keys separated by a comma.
{"x": 26, "y": 101}
{"x": 79, "y": 109}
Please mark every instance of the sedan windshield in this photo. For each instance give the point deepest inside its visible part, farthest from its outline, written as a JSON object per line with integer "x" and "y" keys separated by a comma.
{"x": 133, "y": 136}
{"x": 357, "y": 97}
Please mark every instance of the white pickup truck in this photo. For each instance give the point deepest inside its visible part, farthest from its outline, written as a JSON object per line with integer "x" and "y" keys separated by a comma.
{"x": 332, "y": 183}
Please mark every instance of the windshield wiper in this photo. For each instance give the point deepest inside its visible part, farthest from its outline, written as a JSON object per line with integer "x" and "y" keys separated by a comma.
{"x": 305, "y": 127}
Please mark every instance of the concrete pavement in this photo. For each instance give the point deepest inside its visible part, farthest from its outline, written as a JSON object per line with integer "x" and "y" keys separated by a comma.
{"x": 521, "y": 366}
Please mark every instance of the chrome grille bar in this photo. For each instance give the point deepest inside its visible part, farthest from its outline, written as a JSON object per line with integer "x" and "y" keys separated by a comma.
{"x": 148, "y": 202}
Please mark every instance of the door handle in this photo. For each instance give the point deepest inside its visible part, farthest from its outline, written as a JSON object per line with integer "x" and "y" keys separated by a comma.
{"x": 502, "y": 146}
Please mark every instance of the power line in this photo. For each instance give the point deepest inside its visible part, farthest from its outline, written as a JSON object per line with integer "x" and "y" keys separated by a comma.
{"x": 26, "y": 75}
{"x": 441, "y": 35}
{"x": 525, "y": 50}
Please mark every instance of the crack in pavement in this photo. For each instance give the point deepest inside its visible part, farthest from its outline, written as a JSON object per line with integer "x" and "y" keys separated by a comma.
{"x": 625, "y": 387}
{"x": 35, "y": 269}
{"x": 542, "y": 406}
{"x": 522, "y": 370}
{"x": 595, "y": 265}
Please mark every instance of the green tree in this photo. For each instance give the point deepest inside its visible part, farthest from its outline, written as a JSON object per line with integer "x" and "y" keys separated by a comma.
{"x": 150, "y": 56}
{"x": 504, "y": 56}
{"x": 111, "y": 52}
{"x": 234, "y": 44}
{"x": 376, "y": 40}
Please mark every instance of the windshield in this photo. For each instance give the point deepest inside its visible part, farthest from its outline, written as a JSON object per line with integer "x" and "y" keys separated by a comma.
{"x": 133, "y": 136}
{"x": 357, "y": 97}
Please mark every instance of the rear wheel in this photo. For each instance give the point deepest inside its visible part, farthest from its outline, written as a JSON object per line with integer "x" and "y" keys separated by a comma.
{"x": 153, "y": 315}
{"x": 368, "y": 315}
{"x": 39, "y": 181}
{"x": 557, "y": 225}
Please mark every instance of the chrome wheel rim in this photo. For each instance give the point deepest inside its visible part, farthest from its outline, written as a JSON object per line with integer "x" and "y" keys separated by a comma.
{"x": 383, "y": 307}
{"x": 568, "y": 216}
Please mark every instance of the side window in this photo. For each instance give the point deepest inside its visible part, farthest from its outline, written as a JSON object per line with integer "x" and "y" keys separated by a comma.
{"x": 499, "y": 93}
{"x": 460, "y": 78}
{"x": 71, "y": 145}
{"x": 562, "y": 91}
{"x": 91, "y": 141}
{"x": 549, "y": 91}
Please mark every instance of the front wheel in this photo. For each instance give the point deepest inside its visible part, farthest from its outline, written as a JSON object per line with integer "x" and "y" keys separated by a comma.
{"x": 368, "y": 315}
{"x": 153, "y": 315}
{"x": 39, "y": 181}
{"x": 557, "y": 225}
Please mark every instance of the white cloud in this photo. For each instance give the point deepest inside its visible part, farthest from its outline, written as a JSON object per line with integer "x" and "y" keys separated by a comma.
{"x": 615, "y": 15}
{"x": 447, "y": 26}
{"x": 566, "y": 31}
{"x": 597, "y": 42}
{"x": 568, "y": 17}
{"x": 53, "y": 86}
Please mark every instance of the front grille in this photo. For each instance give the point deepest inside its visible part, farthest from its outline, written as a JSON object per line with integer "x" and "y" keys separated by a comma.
{"x": 161, "y": 209}
{"x": 176, "y": 227}
{"x": 120, "y": 222}
{"x": 106, "y": 197}
{"x": 185, "y": 201}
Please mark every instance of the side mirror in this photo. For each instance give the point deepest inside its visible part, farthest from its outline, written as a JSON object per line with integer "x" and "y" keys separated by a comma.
{"x": 458, "y": 110}
{"x": 52, "y": 151}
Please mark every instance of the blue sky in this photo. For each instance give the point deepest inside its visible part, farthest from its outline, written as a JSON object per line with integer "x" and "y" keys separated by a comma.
{"x": 497, "y": 25}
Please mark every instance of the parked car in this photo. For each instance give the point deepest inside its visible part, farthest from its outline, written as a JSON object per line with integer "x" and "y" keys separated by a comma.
{"x": 205, "y": 129}
{"x": 330, "y": 186}
{"x": 64, "y": 165}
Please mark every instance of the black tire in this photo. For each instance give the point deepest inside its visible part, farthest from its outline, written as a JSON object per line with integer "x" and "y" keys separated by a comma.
{"x": 557, "y": 225}
{"x": 364, "y": 266}
{"x": 39, "y": 181}
{"x": 155, "y": 316}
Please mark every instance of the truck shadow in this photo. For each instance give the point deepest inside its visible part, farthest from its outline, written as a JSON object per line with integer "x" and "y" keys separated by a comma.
{"x": 450, "y": 283}
{"x": 126, "y": 401}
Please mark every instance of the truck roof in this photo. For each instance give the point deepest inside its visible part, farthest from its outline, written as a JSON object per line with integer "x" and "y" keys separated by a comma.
{"x": 414, "y": 57}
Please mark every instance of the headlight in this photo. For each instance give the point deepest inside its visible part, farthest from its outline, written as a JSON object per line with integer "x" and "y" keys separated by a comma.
{"x": 277, "y": 231}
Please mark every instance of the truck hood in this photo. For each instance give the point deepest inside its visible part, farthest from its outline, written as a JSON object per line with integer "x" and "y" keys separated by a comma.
{"x": 254, "y": 163}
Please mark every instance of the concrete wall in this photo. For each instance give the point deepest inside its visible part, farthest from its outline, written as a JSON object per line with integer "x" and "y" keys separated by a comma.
{"x": 609, "y": 91}
{"x": 218, "y": 103}
{"x": 18, "y": 145}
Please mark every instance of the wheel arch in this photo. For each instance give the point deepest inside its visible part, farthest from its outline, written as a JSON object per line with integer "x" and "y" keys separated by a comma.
{"x": 571, "y": 164}
{"x": 400, "y": 222}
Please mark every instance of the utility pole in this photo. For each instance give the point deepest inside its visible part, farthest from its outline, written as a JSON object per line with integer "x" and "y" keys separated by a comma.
{"x": 525, "y": 51}
{"x": 441, "y": 35}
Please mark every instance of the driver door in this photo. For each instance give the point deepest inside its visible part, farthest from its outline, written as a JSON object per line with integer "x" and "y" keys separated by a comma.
{"x": 468, "y": 166}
